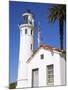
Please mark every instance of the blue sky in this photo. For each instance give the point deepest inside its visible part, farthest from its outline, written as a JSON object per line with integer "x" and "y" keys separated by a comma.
{"x": 49, "y": 31}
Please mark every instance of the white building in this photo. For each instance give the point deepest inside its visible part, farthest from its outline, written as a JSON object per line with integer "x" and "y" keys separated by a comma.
{"x": 42, "y": 67}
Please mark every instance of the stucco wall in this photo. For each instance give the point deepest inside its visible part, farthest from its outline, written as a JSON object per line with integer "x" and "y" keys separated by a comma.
{"x": 63, "y": 70}
{"x": 49, "y": 58}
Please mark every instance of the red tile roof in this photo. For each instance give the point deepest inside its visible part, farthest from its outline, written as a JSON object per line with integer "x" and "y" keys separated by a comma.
{"x": 46, "y": 47}
{"x": 51, "y": 48}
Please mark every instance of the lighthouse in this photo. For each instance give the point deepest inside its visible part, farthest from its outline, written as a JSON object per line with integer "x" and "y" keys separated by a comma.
{"x": 26, "y": 48}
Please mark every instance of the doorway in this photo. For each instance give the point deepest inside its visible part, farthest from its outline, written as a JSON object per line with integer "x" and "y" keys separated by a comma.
{"x": 35, "y": 78}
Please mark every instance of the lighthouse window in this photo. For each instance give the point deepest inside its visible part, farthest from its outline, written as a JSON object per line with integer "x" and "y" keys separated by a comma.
{"x": 31, "y": 46}
{"x": 26, "y": 18}
{"x": 30, "y": 22}
{"x": 31, "y": 32}
{"x": 25, "y": 31}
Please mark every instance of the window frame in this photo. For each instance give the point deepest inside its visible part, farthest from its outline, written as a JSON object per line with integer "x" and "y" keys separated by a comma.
{"x": 50, "y": 75}
{"x": 42, "y": 56}
{"x": 25, "y": 31}
{"x": 31, "y": 46}
{"x": 26, "y": 19}
{"x": 36, "y": 69}
{"x": 31, "y": 31}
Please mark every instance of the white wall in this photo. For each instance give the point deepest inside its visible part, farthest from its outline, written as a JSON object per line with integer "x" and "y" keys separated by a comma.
{"x": 63, "y": 70}
{"x": 36, "y": 62}
{"x": 25, "y": 52}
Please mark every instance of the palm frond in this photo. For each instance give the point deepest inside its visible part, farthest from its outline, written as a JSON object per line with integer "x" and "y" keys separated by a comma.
{"x": 57, "y": 12}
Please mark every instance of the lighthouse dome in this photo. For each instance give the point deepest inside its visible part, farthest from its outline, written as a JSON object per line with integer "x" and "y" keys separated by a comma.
{"x": 28, "y": 18}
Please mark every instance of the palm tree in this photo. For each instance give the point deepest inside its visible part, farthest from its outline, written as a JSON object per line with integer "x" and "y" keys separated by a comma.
{"x": 58, "y": 12}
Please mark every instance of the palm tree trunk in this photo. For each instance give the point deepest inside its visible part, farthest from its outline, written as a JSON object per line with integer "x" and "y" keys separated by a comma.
{"x": 61, "y": 25}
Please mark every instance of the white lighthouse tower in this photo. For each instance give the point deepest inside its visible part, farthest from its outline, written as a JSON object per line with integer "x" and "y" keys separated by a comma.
{"x": 26, "y": 48}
